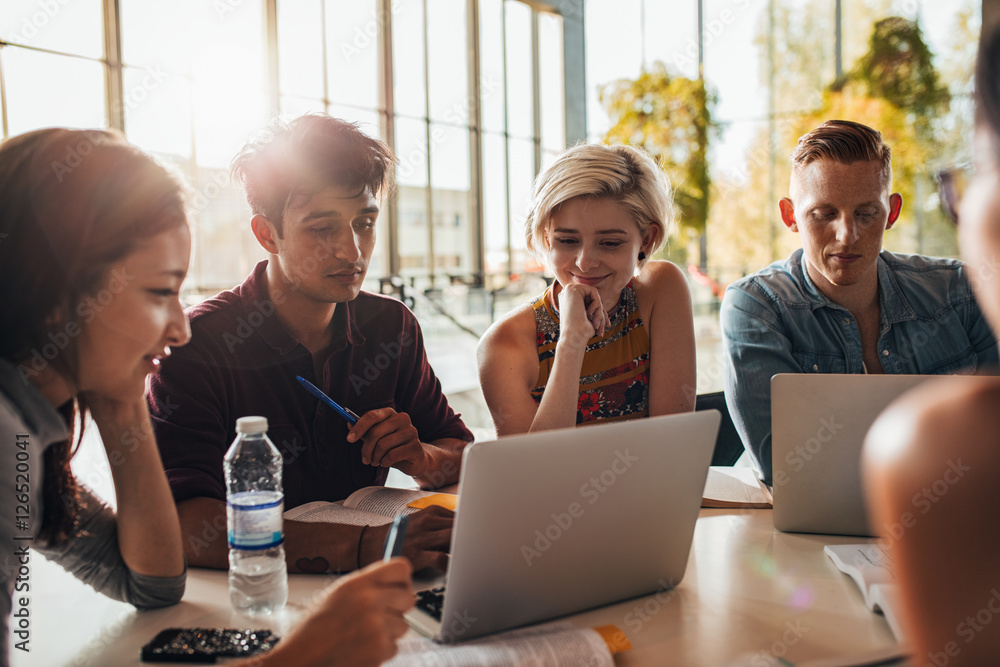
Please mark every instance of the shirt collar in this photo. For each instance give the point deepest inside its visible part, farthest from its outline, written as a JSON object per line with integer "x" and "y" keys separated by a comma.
{"x": 892, "y": 301}
{"x": 895, "y": 307}
{"x": 38, "y": 414}
{"x": 254, "y": 298}
{"x": 818, "y": 299}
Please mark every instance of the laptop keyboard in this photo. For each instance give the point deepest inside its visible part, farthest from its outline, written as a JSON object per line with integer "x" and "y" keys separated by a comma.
{"x": 431, "y": 602}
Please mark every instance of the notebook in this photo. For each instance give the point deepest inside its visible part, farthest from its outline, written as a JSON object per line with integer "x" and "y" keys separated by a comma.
{"x": 818, "y": 424}
{"x": 556, "y": 522}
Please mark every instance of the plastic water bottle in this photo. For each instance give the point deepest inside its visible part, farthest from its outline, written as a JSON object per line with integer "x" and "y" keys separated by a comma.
{"x": 258, "y": 580}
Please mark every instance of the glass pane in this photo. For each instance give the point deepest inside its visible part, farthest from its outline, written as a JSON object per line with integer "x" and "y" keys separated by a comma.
{"x": 158, "y": 117}
{"x": 44, "y": 90}
{"x": 520, "y": 96}
{"x": 670, "y": 33}
{"x": 448, "y": 61}
{"x": 551, "y": 85}
{"x": 521, "y": 175}
{"x": 300, "y": 45}
{"x": 352, "y": 50}
{"x": 744, "y": 228}
{"x": 411, "y": 196}
{"x": 449, "y": 157}
{"x": 408, "y": 58}
{"x": 368, "y": 119}
{"x": 68, "y": 27}
{"x": 613, "y": 52}
{"x": 293, "y": 107}
{"x": 225, "y": 249}
{"x": 229, "y": 102}
{"x": 454, "y": 242}
{"x": 161, "y": 35}
{"x": 740, "y": 80}
{"x": 491, "y": 64}
{"x": 495, "y": 203}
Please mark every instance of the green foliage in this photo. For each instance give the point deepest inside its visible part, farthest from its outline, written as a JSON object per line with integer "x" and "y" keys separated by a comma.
{"x": 891, "y": 84}
{"x": 671, "y": 118}
{"x": 898, "y": 68}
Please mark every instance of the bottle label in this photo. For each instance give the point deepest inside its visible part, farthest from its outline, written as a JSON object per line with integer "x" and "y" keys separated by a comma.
{"x": 255, "y": 519}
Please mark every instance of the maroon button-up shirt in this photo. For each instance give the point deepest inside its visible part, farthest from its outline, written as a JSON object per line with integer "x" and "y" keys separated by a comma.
{"x": 241, "y": 361}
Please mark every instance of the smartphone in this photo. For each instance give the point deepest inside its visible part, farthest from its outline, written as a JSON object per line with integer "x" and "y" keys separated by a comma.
{"x": 397, "y": 533}
{"x": 205, "y": 645}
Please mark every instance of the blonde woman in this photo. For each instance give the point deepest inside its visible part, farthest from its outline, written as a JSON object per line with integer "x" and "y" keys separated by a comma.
{"x": 612, "y": 338}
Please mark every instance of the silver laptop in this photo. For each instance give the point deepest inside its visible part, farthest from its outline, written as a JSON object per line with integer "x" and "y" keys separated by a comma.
{"x": 818, "y": 424}
{"x": 556, "y": 522}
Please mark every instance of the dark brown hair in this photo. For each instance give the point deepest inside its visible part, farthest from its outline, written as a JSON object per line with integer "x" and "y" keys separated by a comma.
{"x": 72, "y": 204}
{"x": 306, "y": 155}
{"x": 846, "y": 142}
{"x": 988, "y": 85}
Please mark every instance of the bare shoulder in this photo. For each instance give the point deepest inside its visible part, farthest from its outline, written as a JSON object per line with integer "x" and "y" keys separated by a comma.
{"x": 661, "y": 281}
{"x": 513, "y": 331}
{"x": 941, "y": 414}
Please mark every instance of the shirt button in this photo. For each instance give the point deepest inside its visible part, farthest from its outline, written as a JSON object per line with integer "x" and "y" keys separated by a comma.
{"x": 885, "y": 353}
{"x": 847, "y": 320}
{"x": 815, "y": 367}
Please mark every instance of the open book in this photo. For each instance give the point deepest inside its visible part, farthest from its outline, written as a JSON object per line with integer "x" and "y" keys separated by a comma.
{"x": 553, "y": 644}
{"x": 371, "y": 506}
{"x": 867, "y": 566}
{"x": 727, "y": 486}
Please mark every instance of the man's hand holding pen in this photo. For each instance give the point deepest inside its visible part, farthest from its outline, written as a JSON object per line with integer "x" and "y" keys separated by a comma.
{"x": 390, "y": 440}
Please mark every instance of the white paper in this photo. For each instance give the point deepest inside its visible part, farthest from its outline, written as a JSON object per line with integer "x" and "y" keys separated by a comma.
{"x": 551, "y": 645}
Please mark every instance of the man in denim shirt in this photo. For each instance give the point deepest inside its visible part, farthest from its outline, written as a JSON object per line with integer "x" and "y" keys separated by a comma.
{"x": 841, "y": 304}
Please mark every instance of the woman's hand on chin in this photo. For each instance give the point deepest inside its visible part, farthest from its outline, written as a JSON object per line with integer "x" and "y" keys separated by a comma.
{"x": 581, "y": 314}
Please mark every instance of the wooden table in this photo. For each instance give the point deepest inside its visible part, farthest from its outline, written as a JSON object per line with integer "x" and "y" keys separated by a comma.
{"x": 749, "y": 592}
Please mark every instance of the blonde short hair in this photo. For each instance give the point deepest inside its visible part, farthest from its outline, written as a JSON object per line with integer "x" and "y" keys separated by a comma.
{"x": 623, "y": 174}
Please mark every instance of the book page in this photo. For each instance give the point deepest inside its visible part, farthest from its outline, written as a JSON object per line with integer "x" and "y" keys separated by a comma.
{"x": 727, "y": 486}
{"x": 864, "y": 563}
{"x": 885, "y": 598}
{"x": 391, "y": 501}
{"x": 552, "y": 645}
{"x": 324, "y": 512}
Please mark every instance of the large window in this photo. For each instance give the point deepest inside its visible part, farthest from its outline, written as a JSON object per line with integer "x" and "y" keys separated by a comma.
{"x": 773, "y": 65}
{"x": 190, "y": 81}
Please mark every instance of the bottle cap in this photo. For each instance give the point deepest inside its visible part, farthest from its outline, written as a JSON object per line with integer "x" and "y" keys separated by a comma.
{"x": 251, "y": 425}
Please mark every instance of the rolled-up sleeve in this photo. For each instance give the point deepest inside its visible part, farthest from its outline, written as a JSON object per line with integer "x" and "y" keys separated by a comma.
{"x": 92, "y": 555}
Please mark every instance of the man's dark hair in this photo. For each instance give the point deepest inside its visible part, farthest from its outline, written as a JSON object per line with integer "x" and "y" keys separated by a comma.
{"x": 312, "y": 152}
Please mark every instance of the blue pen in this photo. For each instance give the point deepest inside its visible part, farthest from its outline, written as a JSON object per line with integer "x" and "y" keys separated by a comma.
{"x": 351, "y": 418}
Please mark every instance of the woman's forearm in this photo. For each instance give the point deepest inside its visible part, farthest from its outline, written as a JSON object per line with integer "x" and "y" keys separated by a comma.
{"x": 558, "y": 406}
{"x": 149, "y": 536}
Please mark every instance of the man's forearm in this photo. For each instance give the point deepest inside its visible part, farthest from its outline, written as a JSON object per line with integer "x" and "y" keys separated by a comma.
{"x": 310, "y": 548}
{"x": 444, "y": 461}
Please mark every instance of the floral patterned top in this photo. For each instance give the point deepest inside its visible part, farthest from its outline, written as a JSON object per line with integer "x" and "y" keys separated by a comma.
{"x": 614, "y": 379}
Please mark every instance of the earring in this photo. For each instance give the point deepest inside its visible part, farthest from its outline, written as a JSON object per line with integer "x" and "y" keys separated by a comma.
{"x": 642, "y": 255}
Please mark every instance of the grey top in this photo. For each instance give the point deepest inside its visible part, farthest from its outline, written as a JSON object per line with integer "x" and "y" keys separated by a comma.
{"x": 28, "y": 425}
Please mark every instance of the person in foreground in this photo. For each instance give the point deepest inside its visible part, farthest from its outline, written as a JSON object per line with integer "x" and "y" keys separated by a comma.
{"x": 315, "y": 186}
{"x": 91, "y": 262}
{"x": 613, "y": 337}
{"x": 931, "y": 463}
{"x": 841, "y": 304}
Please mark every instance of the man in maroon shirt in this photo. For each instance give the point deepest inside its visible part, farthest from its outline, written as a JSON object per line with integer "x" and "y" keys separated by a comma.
{"x": 315, "y": 186}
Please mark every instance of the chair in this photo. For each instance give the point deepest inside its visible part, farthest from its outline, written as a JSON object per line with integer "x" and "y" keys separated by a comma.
{"x": 728, "y": 445}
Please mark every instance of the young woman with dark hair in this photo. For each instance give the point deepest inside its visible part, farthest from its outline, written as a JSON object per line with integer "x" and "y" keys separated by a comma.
{"x": 94, "y": 246}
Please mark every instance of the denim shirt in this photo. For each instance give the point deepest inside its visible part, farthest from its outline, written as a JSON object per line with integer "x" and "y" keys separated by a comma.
{"x": 777, "y": 321}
